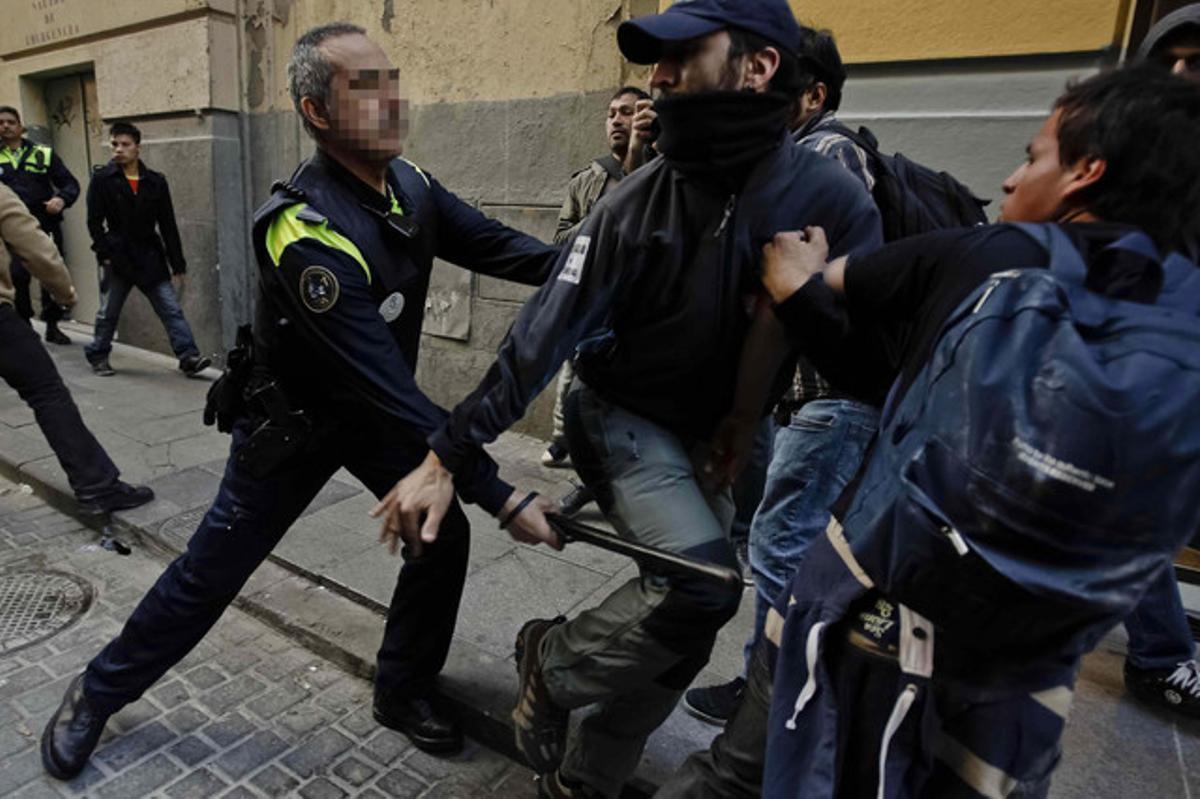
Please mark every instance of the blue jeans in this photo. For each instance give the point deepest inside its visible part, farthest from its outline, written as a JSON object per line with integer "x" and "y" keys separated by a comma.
{"x": 114, "y": 290}
{"x": 1159, "y": 634}
{"x": 815, "y": 457}
{"x": 748, "y": 488}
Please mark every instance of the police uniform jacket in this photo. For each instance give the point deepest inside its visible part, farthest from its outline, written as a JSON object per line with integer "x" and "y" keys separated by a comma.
{"x": 137, "y": 233}
{"x": 345, "y": 272}
{"x": 37, "y": 174}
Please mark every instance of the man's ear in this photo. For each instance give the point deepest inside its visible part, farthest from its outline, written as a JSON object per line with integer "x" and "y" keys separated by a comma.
{"x": 815, "y": 97}
{"x": 758, "y": 69}
{"x": 1085, "y": 173}
{"x": 315, "y": 113}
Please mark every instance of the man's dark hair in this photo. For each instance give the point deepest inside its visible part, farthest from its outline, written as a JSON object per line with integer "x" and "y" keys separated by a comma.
{"x": 8, "y": 109}
{"x": 1145, "y": 125}
{"x": 126, "y": 129}
{"x": 641, "y": 94}
{"x": 309, "y": 72}
{"x": 787, "y": 79}
{"x": 821, "y": 62}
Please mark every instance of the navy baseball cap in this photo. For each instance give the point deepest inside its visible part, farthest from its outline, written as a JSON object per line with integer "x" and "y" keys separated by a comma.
{"x": 641, "y": 40}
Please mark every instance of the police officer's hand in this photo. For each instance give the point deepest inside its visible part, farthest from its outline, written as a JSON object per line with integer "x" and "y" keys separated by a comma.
{"x": 413, "y": 510}
{"x": 791, "y": 258}
{"x": 530, "y": 525}
{"x": 55, "y": 205}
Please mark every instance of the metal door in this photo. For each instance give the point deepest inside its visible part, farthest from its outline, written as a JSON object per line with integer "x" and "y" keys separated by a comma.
{"x": 77, "y": 135}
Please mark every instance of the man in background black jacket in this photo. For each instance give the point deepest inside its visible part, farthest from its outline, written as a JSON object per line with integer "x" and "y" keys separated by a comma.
{"x": 132, "y": 223}
{"x": 47, "y": 187}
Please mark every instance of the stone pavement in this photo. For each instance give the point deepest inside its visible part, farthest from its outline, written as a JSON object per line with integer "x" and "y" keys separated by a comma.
{"x": 248, "y": 714}
{"x": 329, "y": 579}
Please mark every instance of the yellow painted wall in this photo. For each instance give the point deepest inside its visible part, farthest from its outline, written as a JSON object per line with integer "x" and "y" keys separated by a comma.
{"x": 30, "y": 24}
{"x": 872, "y": 31}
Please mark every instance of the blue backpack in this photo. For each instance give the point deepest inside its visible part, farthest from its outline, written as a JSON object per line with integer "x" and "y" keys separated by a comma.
{"x": 1044, "y": 466}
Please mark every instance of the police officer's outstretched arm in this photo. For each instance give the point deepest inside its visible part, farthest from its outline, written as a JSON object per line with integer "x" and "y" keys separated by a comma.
{"x": 471, "y": 240}
{"x": 576, "y": 301}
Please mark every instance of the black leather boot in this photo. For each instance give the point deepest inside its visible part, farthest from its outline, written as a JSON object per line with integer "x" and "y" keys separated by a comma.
{"x": 72, "y": 734}
{"x": 428, "y": 729}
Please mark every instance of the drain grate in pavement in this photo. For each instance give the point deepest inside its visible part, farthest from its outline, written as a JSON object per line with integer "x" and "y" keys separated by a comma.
{"x": 36, "y": 605}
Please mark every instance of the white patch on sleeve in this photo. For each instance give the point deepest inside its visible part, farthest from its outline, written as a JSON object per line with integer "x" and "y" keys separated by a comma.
{"x": 572, "y": 271}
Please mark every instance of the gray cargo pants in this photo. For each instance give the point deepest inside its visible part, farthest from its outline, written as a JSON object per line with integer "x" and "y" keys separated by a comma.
{"x": 635, "y": 653}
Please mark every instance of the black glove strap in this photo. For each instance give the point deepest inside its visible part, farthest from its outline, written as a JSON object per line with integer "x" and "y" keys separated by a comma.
{"x": 522, "y": 505}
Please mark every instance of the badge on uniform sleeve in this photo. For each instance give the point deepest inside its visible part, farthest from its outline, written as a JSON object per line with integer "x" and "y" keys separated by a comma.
{"x": 319, "y": 289}
{"x": 391, "y": 308}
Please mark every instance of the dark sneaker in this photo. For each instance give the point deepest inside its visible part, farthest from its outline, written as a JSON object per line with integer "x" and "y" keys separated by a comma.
{"x": 1177, "y": 689}
{"x": 555, "y": 786}
{"x": 121, "y": 497}
{"x": 56, "y": 336}
{"x": 716, "y": 703}
{"x": 574, "y": 501}
{"x": 102, "y": 367}
{"x": 556, "y": 456}
{"x": 539, "y": 725}
{"x": 428, "y": 730}
{"x": 194, "y": 364}
{"x": 72, "y": 733}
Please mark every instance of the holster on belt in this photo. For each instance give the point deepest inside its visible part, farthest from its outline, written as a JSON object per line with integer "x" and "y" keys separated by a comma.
{"x": 284, "y": 434}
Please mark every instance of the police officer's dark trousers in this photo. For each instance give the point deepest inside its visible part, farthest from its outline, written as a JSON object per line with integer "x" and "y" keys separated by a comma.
{"x": 26, "y": 366}
{"x": 51, "y": 312}
{"x": 248, "y": 518}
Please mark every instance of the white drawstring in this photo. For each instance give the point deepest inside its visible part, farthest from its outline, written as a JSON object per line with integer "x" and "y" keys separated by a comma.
{"x": 899, "y": 711}
{"x": 812, "y": 650}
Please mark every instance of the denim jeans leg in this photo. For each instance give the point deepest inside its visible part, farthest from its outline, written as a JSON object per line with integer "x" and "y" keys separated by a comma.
{"x": 815, "y": 457}
{"x": 166, "y": 305}
{"x": 749, "y": 487}
{"x": 1159, "y": 634}
{"x": 114, "y": 290}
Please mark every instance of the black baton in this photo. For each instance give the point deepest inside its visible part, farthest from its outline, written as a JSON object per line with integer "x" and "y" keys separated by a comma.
{"x": 656, "y": 559}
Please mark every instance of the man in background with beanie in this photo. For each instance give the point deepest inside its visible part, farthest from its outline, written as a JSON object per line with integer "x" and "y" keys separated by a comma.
{"x": 658, "y": 295}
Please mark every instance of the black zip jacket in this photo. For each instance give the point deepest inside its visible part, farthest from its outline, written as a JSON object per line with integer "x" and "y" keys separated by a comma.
{"x": 136, "y": 232}
{"x": 655, "y": 291}
{"x": 344, "y": 279}
{"x": 40, "y": 178}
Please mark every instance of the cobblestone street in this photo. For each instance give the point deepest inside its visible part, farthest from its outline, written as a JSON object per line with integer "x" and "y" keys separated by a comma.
{"x": 247, "y": 714}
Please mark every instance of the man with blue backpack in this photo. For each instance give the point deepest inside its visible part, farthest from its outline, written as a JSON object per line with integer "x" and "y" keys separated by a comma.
{"x": 1035, "y": 472}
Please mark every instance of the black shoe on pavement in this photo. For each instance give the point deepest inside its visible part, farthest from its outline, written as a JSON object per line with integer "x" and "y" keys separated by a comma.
{"x": 556, "y": 456}
{"x": 575, "y": 500}
{"x": 1176, "y": 690}
{"x": 122, "y": 496}
{"x": 429, "y": 730}
{"x": 72, "y": 733}
{"x": 555, "y": 786}
{"x": 56, "y": 336}
{"x": 539, "y": 725}
{"x": 194, "y": 364}
{"x": 716, "y": 703}
{"x": 102, "y": 367}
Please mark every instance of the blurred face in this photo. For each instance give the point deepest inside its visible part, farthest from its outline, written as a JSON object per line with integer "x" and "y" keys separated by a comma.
{"x": 11, "y": 129}
{"x": 696, "y": 65}
{"x": 368, "y": 112}
{"x": 620, "y": 119}
{"x": 124, "y": 149}
{"x": 1181, "y": 55}
{"x": 1038, "y": 189}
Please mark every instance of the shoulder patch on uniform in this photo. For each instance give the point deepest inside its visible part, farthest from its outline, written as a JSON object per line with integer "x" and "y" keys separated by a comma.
{"x": 572, "y": 271}
{"x": 319, "y": 288}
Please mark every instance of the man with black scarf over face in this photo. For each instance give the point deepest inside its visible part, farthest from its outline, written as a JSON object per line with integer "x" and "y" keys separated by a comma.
{"x": 657, "y": 298}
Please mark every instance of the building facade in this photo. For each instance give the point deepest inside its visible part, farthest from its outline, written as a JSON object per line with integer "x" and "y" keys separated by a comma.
{"x": 508, "y": 100}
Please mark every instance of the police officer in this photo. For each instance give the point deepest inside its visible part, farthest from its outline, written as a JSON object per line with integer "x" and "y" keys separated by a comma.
{"x": 345, "y": 250}
{"x": 43, "y": 182}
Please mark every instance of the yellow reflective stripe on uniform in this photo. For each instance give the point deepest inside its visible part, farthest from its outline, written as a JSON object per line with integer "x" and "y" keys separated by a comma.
{"x": 12, "y": 156}
{"x": 286, "y": 229}
{"x": 419, "y": 171}
{"x": 396, "y": 208}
